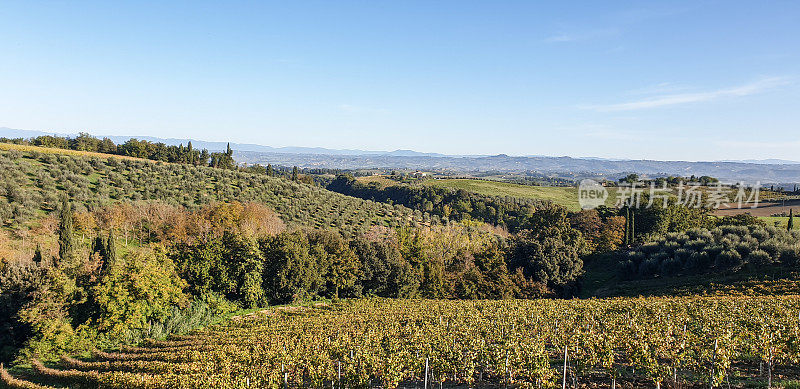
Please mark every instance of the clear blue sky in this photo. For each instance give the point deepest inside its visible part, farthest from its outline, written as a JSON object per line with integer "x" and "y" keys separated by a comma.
{"x": 696, "y": 80}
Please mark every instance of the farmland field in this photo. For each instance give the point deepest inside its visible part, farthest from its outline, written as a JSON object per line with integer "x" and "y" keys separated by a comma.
{"x": 779, "y": 221}
{"x": 764, "y": 209}
{"x": 564, "y": 196}
{"x": 640, "y": 342}
{"x": 50, "y": 150}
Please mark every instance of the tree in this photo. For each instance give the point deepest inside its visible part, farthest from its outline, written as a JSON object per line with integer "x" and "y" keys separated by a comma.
{"x": 99, "y": 246}
{"x": 790, "y": 225}
{"x": 294, "y": 173}
{"x": 612, "y": 234}
{"x": 141, "y": 289}
{"x": 111, "y": 248}
{"x": 190, "y": 153}
{"x": 37, "y": 255}
{"x": 589, "y": 223}
{"x": 342, "y": 267}
{"x": 548, "y": 253}
{"x": 291, "y": 272}
{"x": 270, "y": 170}
{"x": 630, "y": 178}
{"x": 547, "y": 256}
{"x": 247, "y": 269}
{"x": 66, "y": 238}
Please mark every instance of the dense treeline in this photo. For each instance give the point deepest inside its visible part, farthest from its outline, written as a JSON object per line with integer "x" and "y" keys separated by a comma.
{"x": 156, "y": 151}
{"x": 669, "y": 180}
{"x": 601, "y": 227}
{"x": 648, "y": 222}
{"x": 445, "y": 204}
{"x": 32, "y": 183}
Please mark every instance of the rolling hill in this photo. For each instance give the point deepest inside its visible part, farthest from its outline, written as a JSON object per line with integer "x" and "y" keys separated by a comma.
{"x": 34, "y": 178}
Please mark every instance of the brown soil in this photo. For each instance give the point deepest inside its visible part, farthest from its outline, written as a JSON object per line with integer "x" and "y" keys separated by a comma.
{"x": 763, "y": 209}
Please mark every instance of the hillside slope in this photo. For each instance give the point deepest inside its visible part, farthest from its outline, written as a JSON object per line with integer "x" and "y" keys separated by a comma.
{"x": 34, "y": 178}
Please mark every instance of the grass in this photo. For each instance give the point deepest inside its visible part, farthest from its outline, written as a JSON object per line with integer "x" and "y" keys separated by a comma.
{"x": 561, "y": 195}
{"x": 383, "y": 181}
{"x": 780, "y": 221}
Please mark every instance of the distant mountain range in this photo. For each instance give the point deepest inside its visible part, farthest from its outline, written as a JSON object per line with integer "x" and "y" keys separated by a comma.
{"x": 765, "y": 171}
{"x": 219, "y": 146}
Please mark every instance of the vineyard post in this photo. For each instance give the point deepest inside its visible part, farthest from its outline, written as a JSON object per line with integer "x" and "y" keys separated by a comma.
{"x": 508, "y": 376}
{"x": 769, "y": 369}
{"x": 426, "y": 373}
{"x": 713, "y": 362}
{"x": 683, "y": 345}
{"x": 339, "y": 373}
{"x": 564, "y": 380}
{"x": 286, "y": 380}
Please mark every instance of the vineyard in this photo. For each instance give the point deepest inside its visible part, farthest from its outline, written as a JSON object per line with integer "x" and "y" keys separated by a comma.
{"x": 643, "y": 342}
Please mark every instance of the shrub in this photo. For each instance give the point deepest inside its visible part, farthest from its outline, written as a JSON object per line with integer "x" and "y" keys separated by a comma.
{"x": 140, "y": 288}
{"x": 759, "y": 258}
{"x": 728, "y": 259}
{"x": 726, "y": 248}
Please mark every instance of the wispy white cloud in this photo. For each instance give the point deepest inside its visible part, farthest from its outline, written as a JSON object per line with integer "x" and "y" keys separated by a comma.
{"x": 664, "y": 100}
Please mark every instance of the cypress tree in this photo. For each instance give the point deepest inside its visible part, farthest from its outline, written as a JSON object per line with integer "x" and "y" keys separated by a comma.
{"x": 99, "y": 247}
{"x": 627, "y": 225}
{"x": 294, "y": 173}
{"x": 111, "y": 248}
{"x": 633, "y": 227}
{"x": 790, "y": 225}
{"x": 66, "y": 238}
{"x": 270, "y": 171}
{"x": 37, "y": 255}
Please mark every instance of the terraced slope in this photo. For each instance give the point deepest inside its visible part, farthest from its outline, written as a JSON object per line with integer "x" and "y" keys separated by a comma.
{"x": 33, "y": 180}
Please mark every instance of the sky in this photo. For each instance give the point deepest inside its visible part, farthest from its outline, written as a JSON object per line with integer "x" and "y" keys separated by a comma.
{"x": 694, "y": 80}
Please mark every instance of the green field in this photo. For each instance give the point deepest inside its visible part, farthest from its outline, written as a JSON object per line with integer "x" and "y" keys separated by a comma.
{"x": 382, "y": 180}
{"x": 564, "y": 196}
{"x": 780, "y": 221}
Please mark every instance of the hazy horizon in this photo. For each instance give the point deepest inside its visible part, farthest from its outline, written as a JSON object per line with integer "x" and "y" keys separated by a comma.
{"x": 291, "y": 148}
